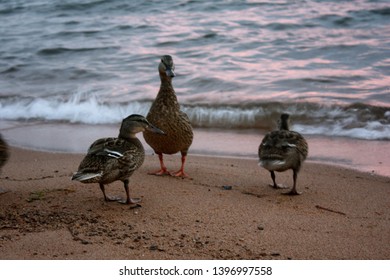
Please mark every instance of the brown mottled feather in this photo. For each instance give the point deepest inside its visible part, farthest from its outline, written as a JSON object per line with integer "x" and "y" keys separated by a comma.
{"x": 276, "y": 145}
{"x": 4, "y": 151}
{"x": 165, "y": 113}
{"x": 112, "y": 169}
{"x": 112, "y": 159}
{"x": 282, "y": 150}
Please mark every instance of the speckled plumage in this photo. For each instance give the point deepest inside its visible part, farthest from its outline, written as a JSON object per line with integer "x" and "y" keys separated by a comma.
{"x": 4, "y": 151}
{"x": 113, "y": 159}
{"x": 4, "y": 155}
{"x": 282, "y": 150}
{"x": 166, "y": 114}
{"x": 101, "y": 159}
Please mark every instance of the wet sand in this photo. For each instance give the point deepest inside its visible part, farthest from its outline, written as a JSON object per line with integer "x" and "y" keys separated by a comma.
{"x": 341, "y": 214}
{"x": 363, "y": 155}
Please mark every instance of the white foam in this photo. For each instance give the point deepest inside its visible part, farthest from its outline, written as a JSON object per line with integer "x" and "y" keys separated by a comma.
{"x": 308, "y": 119}
{"x": 74, "y": 110}
{"x": 370, "y": 131}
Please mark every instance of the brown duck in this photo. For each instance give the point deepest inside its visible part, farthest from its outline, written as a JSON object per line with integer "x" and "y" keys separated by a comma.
{"x": 113, "y": 159}
{"x": 4, "y": 152}
{"x": 282, "y": 150}
{"x": 4, "y": 155}
{"x": 166, "y": 114}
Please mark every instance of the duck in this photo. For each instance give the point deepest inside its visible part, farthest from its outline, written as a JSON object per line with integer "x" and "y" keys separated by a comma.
{"x": 281, "y": 150}
{"x": 4, "y": 151}
{"x": 4, "y": 156}
{"x": 116, "y": 159}
{"x": 165, "y": 113}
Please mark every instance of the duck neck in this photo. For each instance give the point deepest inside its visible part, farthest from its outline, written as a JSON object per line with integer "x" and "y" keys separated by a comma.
{"x": 167, "y": 93}
{"x": 125, "y": 133}
{"x": 130, "y": 138}
{"x": 284, "y": 125}
{"x": 166, "y": 84}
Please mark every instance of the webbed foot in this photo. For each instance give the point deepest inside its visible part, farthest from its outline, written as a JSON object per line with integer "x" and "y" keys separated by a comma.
{"x": 293, "y": 192}
{"x": 112, "y": 198}
{"x": 278, "y": 186}
{"x": 160, "y": 172}
{"x": 180, "y": 173}
{"x": 130, "y": 201}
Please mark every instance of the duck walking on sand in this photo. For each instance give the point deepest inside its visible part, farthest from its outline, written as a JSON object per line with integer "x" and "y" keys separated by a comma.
{"x": 166, "y": 114}
{"x": 113, "y": 159}
{"x": 281, "y": 150}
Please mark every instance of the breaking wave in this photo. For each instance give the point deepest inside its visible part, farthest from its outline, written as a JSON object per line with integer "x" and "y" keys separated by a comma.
{"x": 358, "y": 121}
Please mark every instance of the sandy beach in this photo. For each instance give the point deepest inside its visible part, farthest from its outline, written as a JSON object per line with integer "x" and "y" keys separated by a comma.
{"x": 226, "y": 211}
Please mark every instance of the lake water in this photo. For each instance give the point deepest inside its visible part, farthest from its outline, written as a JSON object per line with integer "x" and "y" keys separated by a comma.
{"x": 81, "y": 66}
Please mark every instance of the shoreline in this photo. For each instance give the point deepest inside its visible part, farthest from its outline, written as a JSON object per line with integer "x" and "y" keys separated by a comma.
{"x": 371, "y": 156}
{"x": 341, "y": 214}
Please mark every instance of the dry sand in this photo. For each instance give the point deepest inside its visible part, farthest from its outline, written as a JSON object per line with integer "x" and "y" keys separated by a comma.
{"x": 342, "y": 214}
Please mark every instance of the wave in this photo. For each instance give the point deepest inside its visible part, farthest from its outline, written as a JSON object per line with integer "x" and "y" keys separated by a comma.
{"x": 360, "y": 121}
{"x": 77, "y": 109}
{"x": 62, "y": 50}
{"x": 80, "y": 5}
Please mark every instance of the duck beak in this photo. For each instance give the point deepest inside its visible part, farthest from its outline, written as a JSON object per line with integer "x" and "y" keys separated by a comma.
{"x": 170, "y": 72}
{"x": 154, "y": 129}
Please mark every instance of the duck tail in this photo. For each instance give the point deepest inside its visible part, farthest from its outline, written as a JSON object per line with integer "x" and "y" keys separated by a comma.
{"x": 80, "y": 176}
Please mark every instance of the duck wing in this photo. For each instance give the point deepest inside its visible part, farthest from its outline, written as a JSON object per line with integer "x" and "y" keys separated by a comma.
{"x": 110, "y": 147}
{"x": 109, "y": 159}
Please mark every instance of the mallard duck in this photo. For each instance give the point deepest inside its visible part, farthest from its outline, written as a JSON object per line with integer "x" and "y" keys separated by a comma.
{"x": 4, "y": 152}
{"x": 4, "y": 155}
{"x": 165, "y": 113}
{"x": 113, "y": 159}
{"x": 281, "y": 150}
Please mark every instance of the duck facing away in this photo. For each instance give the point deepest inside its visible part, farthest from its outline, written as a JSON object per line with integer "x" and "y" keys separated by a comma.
{"x": 166, "y": 114}
{"x": 113, "y": 159}
{"x": 281, "y": 150}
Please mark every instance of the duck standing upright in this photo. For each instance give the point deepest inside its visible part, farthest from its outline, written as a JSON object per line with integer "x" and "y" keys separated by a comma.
{"x": 166, "y": 114}
{"x": 281, "y": 150}
{"x": 113, "y": 159}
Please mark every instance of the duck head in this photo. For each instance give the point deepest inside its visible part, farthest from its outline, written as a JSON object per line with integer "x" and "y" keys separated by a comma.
{"x": 166, "y": 67}
{"x": 134, "y": 124}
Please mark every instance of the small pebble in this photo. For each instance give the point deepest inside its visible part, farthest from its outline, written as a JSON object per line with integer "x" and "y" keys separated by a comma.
{"x": 227, "y": 188}
{"x": 260, "y": 227}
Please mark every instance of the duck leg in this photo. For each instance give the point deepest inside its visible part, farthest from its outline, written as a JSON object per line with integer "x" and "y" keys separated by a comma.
{"x": 128, "y": 200}
{"x": 163, "y": 170}
{"x": 276, "y": 186}
{"x": 181, "y": 172}
{"x": 294, "y": 189}
{"x": 107, "y": 198}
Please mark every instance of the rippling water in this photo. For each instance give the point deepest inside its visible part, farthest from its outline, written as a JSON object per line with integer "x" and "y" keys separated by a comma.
{"x": 239, "y": 63}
